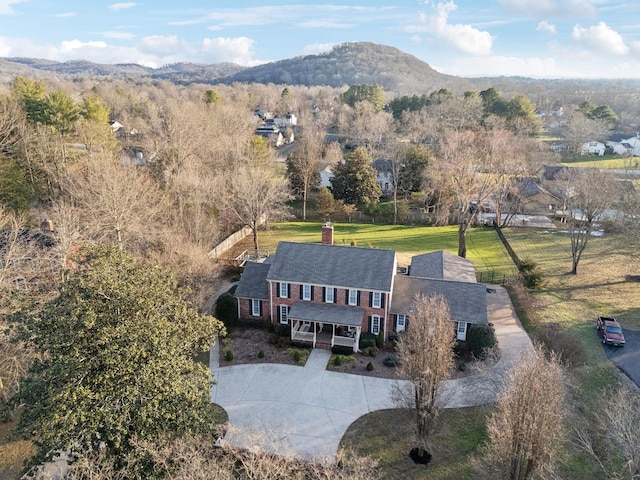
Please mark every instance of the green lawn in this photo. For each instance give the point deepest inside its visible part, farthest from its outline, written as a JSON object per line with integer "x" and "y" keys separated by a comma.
{"x": 608, "y": 161}
{"x": 484, "y": 248}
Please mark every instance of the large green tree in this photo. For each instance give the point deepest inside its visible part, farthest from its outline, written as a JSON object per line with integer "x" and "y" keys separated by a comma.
{"x": 355, "y": 180}
{"x": 117, "y": 360}
{"x": 364, "y": 93}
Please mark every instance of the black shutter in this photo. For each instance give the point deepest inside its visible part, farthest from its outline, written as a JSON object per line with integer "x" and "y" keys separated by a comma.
{"x": 370, "y": 323}
{"x": 335, "y": 295}
{"x": 346, "y": 297}
{"x": 260, "y": 303}
{"x": 278, "y": 314}
{"x": 370, "y": 299}
{"x": 395, "y": 323}
{"x": 312, "y": 293}
{"x": 324, "y": 294}
{"x": 288, "y": 290}
{"x": 358, "y": 302}
{"x": 277, "y": 289}
{"x": 301, "y": 290}
{"x": 382, "y": 297}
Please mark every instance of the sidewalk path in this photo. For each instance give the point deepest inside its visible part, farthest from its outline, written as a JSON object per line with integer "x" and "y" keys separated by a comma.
{"x": 305, "y": 411}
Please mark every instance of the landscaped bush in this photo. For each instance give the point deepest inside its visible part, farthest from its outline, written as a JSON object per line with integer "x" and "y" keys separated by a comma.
{"x": 342, "y": 350}
{"x": 228, "y": 355}
{"x": 299, "y": 355}
{"x": 390, "y": 361}
{"x": 367, "y": 339}
{"x": 380, "y": 340}
{"x": 370, "y": 351}
{"x": 226, "y": 309}
{"x": 480, "y": 339}
{"x": 369, "y": 367}
{"x": 338, "y": 360}
{"x": 283, "y": 330}
{"x": 260, "y": 354}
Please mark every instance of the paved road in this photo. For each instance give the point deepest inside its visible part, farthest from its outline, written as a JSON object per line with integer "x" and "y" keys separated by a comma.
{"x": 627, "y": 358}
{"x": 305, "y": 411}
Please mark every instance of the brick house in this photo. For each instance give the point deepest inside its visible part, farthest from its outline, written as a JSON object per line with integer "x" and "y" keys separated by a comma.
{"x": 329, "y": 294}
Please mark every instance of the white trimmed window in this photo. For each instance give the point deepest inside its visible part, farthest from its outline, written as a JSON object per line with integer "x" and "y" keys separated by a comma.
{"x": 329, "y": 295}
{"x": 306, "y": 292}
{"x": 284, "y": 313}
{"x": 255, "y": 307}
{"x": 284, "y": 290}
{"x": 353, "y": 297}
{"x": 376, "y": 301}
{"x": 401, "y": 322}
{"x": 375, "y": 324}
{"x": 462, "y": 330}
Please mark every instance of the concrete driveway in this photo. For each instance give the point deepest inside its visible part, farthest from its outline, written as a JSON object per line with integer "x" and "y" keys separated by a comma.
{"x": 305, "y": 411}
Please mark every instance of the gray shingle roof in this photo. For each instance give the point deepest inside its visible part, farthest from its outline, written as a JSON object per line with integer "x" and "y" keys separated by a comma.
{"x": 467, "y": 301}
{"x": 442, "y": 265}
{"x": 340, "y": 266}
{"x": 253, "y": 282}
{"x": 326, "y": 313}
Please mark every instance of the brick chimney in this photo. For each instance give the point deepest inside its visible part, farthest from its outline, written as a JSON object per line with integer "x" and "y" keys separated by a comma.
{"x": 327, "y": 234}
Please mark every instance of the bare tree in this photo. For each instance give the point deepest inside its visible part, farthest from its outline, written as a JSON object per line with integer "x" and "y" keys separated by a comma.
{"x": 526, "y": 430}
{"x": 589, "y": 194}
{"x": 581, "y": 129}
{"x": 256, "y": 194}
{"x": 425, "y": 357}
{"x": 303, "y": 164}
{"x": 461, "y": 177}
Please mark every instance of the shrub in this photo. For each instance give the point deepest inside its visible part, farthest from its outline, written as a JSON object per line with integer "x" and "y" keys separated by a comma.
{"x": 480, "y": 339}
{"x": 370, "y": 351}
{"x": 531, "y": 274}
{"x": 570, "y": 349}
{"x": 283, "y": 330}
{"x": 369, "y": 367}
{"x": 260, "y": 354}
{"x": 342, "y": 350}
{"x": 367, "y": 339}
{"x": 228, "y": 355}
{"x": 337, "y": 360}
{"x": 226, "y": 309}
{"x": 390, "y": 361}
{"x": 380, "y": 340}
{"x": 298, "y": 355}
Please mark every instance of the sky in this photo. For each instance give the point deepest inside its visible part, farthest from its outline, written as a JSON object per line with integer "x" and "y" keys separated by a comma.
{"x": 533, "y": 38}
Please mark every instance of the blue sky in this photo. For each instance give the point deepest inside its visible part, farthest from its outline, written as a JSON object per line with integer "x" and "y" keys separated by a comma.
{"x": 538, "y": 38}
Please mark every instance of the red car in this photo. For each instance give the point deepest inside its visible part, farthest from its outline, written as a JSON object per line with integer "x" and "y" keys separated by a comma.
{"x": 610, "y": 331}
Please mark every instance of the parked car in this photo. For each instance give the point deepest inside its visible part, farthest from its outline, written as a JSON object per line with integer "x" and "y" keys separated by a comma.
{"x": 610, "y": 331}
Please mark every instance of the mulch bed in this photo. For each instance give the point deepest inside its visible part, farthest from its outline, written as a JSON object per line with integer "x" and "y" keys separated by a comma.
{"x": 247, "y": 342}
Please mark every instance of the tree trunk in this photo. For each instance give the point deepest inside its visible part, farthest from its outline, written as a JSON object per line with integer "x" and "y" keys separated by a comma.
{"x": 254, "y": 229}
{"x": 462, "y": 241}
{"x": 304, "y": 204}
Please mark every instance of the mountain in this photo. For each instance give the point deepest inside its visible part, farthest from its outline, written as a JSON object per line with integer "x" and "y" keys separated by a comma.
{"x": 354, "y": 63}
{"x": 177, "y": 72}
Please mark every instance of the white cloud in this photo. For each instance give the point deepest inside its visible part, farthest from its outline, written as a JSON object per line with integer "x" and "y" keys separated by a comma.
{"x": 6, "y": 6}
{"x": 545, "y": 26}
{"x": 316, "y": 48}
{"x": 118, "y": 34}
{"x": 324, "y": 24}
{"x": 64, "y": 15}
{"x": 462, "y": 37}
{"x": 601, "y": 38}
{"x": 162, "y": 45}
{"x": 551, "y": 8}
{"x": 121, "y": 6}
{"x": 416, "y": 38}
{"x": 229, "y": 49}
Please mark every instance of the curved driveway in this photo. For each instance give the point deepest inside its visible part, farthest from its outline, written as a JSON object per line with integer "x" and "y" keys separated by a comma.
{"x": 305, "y": 411}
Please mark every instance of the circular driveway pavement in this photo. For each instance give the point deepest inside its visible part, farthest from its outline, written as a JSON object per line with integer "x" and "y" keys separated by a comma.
{"x": 305, "y": 411}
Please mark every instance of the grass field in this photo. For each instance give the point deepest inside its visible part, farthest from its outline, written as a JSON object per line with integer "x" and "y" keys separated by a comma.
{"x": 483, "y": 245}
{"x": 610, "y": 161}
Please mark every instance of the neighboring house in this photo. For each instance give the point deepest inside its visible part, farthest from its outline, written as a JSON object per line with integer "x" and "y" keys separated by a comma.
{"x": 384, "y": 168}
{"x": 326, "y": 174}
{"x": 329, "y": 295}
{"x": 593, "y": 148}
{"x": 288, "y": 121}
{"x": 271, "y": 133}
{"x": 539, "y": 199}
{"x": 625, "y": 146}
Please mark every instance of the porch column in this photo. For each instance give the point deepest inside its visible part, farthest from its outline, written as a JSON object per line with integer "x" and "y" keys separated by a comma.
{"x": 357, "y": 338}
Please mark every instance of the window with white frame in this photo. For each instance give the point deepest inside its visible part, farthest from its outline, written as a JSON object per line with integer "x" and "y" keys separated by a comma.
{"x": 462, "y": 328}
{"x": 375, "y": 324}
{"x": 284, "y": 290}
{"x": 255, "y": 308}
{"x": 284, "y": 313}
{"x": 306, "y": 292}
{"x": 353, "y": 297}
{"x": 401, "y": 322}
{"x": 329, "y": 295}
{"x": 376, "y": 301}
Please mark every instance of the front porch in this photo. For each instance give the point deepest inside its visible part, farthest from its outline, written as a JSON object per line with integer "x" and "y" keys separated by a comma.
{"x": 325, "y": 325}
